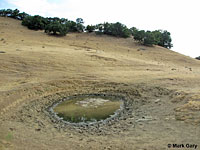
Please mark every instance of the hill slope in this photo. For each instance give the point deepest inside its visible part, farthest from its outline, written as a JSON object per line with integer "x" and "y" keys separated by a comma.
{"x": 34, "y": 65}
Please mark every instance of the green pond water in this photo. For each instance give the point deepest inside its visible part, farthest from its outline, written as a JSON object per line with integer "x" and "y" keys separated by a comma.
{"x": 86, "y": 109}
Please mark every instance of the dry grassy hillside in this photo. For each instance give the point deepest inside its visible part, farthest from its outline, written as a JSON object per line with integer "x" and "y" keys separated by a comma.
{"x": 35, "y": 68}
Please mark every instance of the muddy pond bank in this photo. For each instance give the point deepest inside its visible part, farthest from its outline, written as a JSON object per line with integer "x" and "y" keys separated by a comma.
{"x": 133, "y": 97}
{"x": 148, "y": 116}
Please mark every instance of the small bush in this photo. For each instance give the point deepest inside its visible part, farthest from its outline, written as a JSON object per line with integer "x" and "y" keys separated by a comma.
{"x": 198, "y": 58}
{"x": 139, "y": 35}
{"x": 90, "y": 28}
{"x": 35, "y": 22}
{"x": 13, "y": 14}
{"x": 56, "y": 28}
{"x": 114, "y": 29}
{"x": 79, "y": 25}
{"x": 148, "y": 38}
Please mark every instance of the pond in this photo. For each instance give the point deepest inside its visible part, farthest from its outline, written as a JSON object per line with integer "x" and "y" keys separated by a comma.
{"x": 87, "y": 109}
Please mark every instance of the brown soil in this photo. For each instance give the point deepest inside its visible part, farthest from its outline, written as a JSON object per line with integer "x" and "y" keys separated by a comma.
{"x": 36, "y": 70}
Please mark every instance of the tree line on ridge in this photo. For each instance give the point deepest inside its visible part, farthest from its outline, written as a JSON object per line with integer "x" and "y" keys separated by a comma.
{"x": 62, "y": 26}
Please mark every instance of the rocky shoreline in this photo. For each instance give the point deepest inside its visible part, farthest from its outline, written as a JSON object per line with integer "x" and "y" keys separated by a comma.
{"x": 123, "y": 113}
{"x": 38, "y": 113}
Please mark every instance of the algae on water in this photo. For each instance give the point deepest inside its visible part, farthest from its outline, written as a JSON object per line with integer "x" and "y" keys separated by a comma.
{"x": 86, "y": 109}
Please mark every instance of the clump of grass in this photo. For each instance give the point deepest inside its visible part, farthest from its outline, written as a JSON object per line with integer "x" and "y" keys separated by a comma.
{"x": 9, "y": 137}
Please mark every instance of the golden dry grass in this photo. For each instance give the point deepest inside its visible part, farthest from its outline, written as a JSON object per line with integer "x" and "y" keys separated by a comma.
{"x": 36, "y": 65}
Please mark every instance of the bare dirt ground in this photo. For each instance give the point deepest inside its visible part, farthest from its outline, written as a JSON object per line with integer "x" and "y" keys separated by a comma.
{"x": 37, "y": 70}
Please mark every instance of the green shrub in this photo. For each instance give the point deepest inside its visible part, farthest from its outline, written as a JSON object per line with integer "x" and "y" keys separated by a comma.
{"x": 56, "y": 28}
{"x": 114, "y": 29}
{"x": 71, "y": 25}
{"x": 23, "y": 15}
{"x": 139, "y": 35}
{"x": 2, "y": 12}
{"x": 165, "y": 40}
{"x": 90, "y": 28}
{"x": 198, "y": 58}
{"x": 79, "y": 25}
{"x": 13, "y": 14}
{"x": 35, "y": 22}
{"x": 133, "y": 30}
{"x": 149, "y": 39}
{"x": 120, "y": 30}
